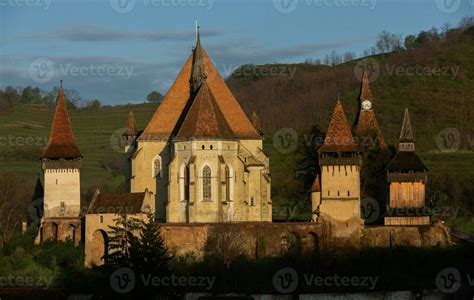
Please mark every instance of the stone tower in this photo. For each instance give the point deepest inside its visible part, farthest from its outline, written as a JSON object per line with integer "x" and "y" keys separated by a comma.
{"x": 366, "y": 128}
{"x": 407, "y": 176}
{"x": 200, "y": 155}
{"x": 61, "y": 163}
{"x": 340, "y": 163}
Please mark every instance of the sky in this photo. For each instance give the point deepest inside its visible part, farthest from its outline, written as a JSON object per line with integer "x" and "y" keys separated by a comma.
{"x": 118, "y": 51}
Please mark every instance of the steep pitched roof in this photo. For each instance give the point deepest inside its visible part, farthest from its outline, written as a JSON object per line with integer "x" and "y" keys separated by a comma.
{"x": 338, "y": 137}
{"x": 316, "y": 187}
{"x": 131, "y": 127}
{"x": 406, "y": 135}
{"x": 117, "y": 203}
{"x": 61, "y": 140}
{"x": 256, "y": 123}
{"x": 406, "y": 160}
{"x": 204, "y": 119}
{"x": 365, "y": 93}
{"x": 170, "y": 114}
{"x": 367, "y": 126}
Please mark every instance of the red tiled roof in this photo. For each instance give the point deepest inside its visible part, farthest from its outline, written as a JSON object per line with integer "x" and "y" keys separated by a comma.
{"x": 205, "y": 119}
{"x": 131, "y": 128}
{"x": 338, "y": 137}
{"x": 117, "y": 203}
{"x": 256, "y": 123}
{"x": 61, "y": 140}
{"x": 365, "y": 93}
{"x": 368, "y": 127}
{"x": 169, "y": 115}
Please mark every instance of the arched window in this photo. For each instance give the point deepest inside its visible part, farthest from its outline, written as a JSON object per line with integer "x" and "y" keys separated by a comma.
{"x": 206, "y": 183}
{"x": 157, "y": 167}
{"x": 184, "y": 182}
{"x": 227, "y": 183}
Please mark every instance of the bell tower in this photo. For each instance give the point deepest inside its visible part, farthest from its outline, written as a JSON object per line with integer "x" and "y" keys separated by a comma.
{"x": 340, "y": 163}
{"x": 61, "y": 164}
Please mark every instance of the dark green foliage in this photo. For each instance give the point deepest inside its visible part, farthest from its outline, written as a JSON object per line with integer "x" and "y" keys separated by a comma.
{"x": 148, "y": 252}
{"x": 121, "y": 235}
{"x": 154, "y": 97}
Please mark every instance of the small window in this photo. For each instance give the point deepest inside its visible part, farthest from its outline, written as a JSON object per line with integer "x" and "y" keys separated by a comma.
{"x": 62, "y": 208}
{"x": 252, "y": 201}
{"x": 338, "y": 194}
{"x": 101, "y": 219}
{"x": 203, "y": 147}
{"x": 211, "y": 147}
{"x": 348, "y": 193}
{"x": 157, "y": 167}
{"x": 329, "y": 193}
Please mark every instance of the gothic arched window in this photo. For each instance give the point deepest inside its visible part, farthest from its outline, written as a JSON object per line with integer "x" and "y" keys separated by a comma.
{"x": 157, "y": 167}
{"x": 186, "y": 183}
{"x": 206, "y": 183}
{"x": 227, "y": 183}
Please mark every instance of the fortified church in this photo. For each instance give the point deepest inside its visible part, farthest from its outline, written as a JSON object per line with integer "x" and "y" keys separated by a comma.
{"x": 200, "y": 162}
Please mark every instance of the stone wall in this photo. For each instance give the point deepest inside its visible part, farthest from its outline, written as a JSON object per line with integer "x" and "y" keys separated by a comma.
{"x": 253, "y": 239}
{"x": 418, "y": 236}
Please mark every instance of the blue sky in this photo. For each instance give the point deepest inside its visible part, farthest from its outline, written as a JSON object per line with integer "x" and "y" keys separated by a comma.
{"x": 120, "y": 50}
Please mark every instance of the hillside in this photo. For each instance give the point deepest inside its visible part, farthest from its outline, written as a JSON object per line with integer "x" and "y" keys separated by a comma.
{"x": 300, "y": 96}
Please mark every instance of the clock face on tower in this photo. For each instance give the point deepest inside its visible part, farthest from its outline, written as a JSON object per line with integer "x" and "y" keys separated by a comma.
{"x": 366, "y": 105}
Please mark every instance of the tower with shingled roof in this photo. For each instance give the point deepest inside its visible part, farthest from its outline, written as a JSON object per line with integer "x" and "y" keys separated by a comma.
{"x": 366, "y": 127}
{"x": 61, "y": 164}
{"x": 407, "y": 176}
{"x": 340, "y": 164}
{"x": 200, "y": 155}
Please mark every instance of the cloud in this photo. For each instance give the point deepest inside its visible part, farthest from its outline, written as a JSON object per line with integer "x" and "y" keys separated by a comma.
{"x": 94, "y": 34}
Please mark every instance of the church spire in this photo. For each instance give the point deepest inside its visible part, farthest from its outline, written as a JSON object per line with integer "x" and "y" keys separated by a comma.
{"x": 198, "y": 74}
{"x": 407, "y": 139}
{"x": 61, "y": 140}
{"x": 131, "y": 128}
{"x": 365, "y": 93}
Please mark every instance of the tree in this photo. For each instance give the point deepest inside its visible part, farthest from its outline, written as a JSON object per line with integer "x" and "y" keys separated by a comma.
{"x": 154, "y": 97}
{"x": 13, "y": 205}
{"x": 410, "y": 42}
{"x": 121, "y": 235}
{"x": 148, "y": 252}
{"x": 94, "y": 105}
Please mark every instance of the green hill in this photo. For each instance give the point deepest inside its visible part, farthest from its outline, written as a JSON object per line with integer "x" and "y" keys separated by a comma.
{"x": 436, "y": 82}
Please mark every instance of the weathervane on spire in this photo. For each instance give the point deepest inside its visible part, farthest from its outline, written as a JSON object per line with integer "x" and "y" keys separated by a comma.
{"x": 61, "y": 83}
